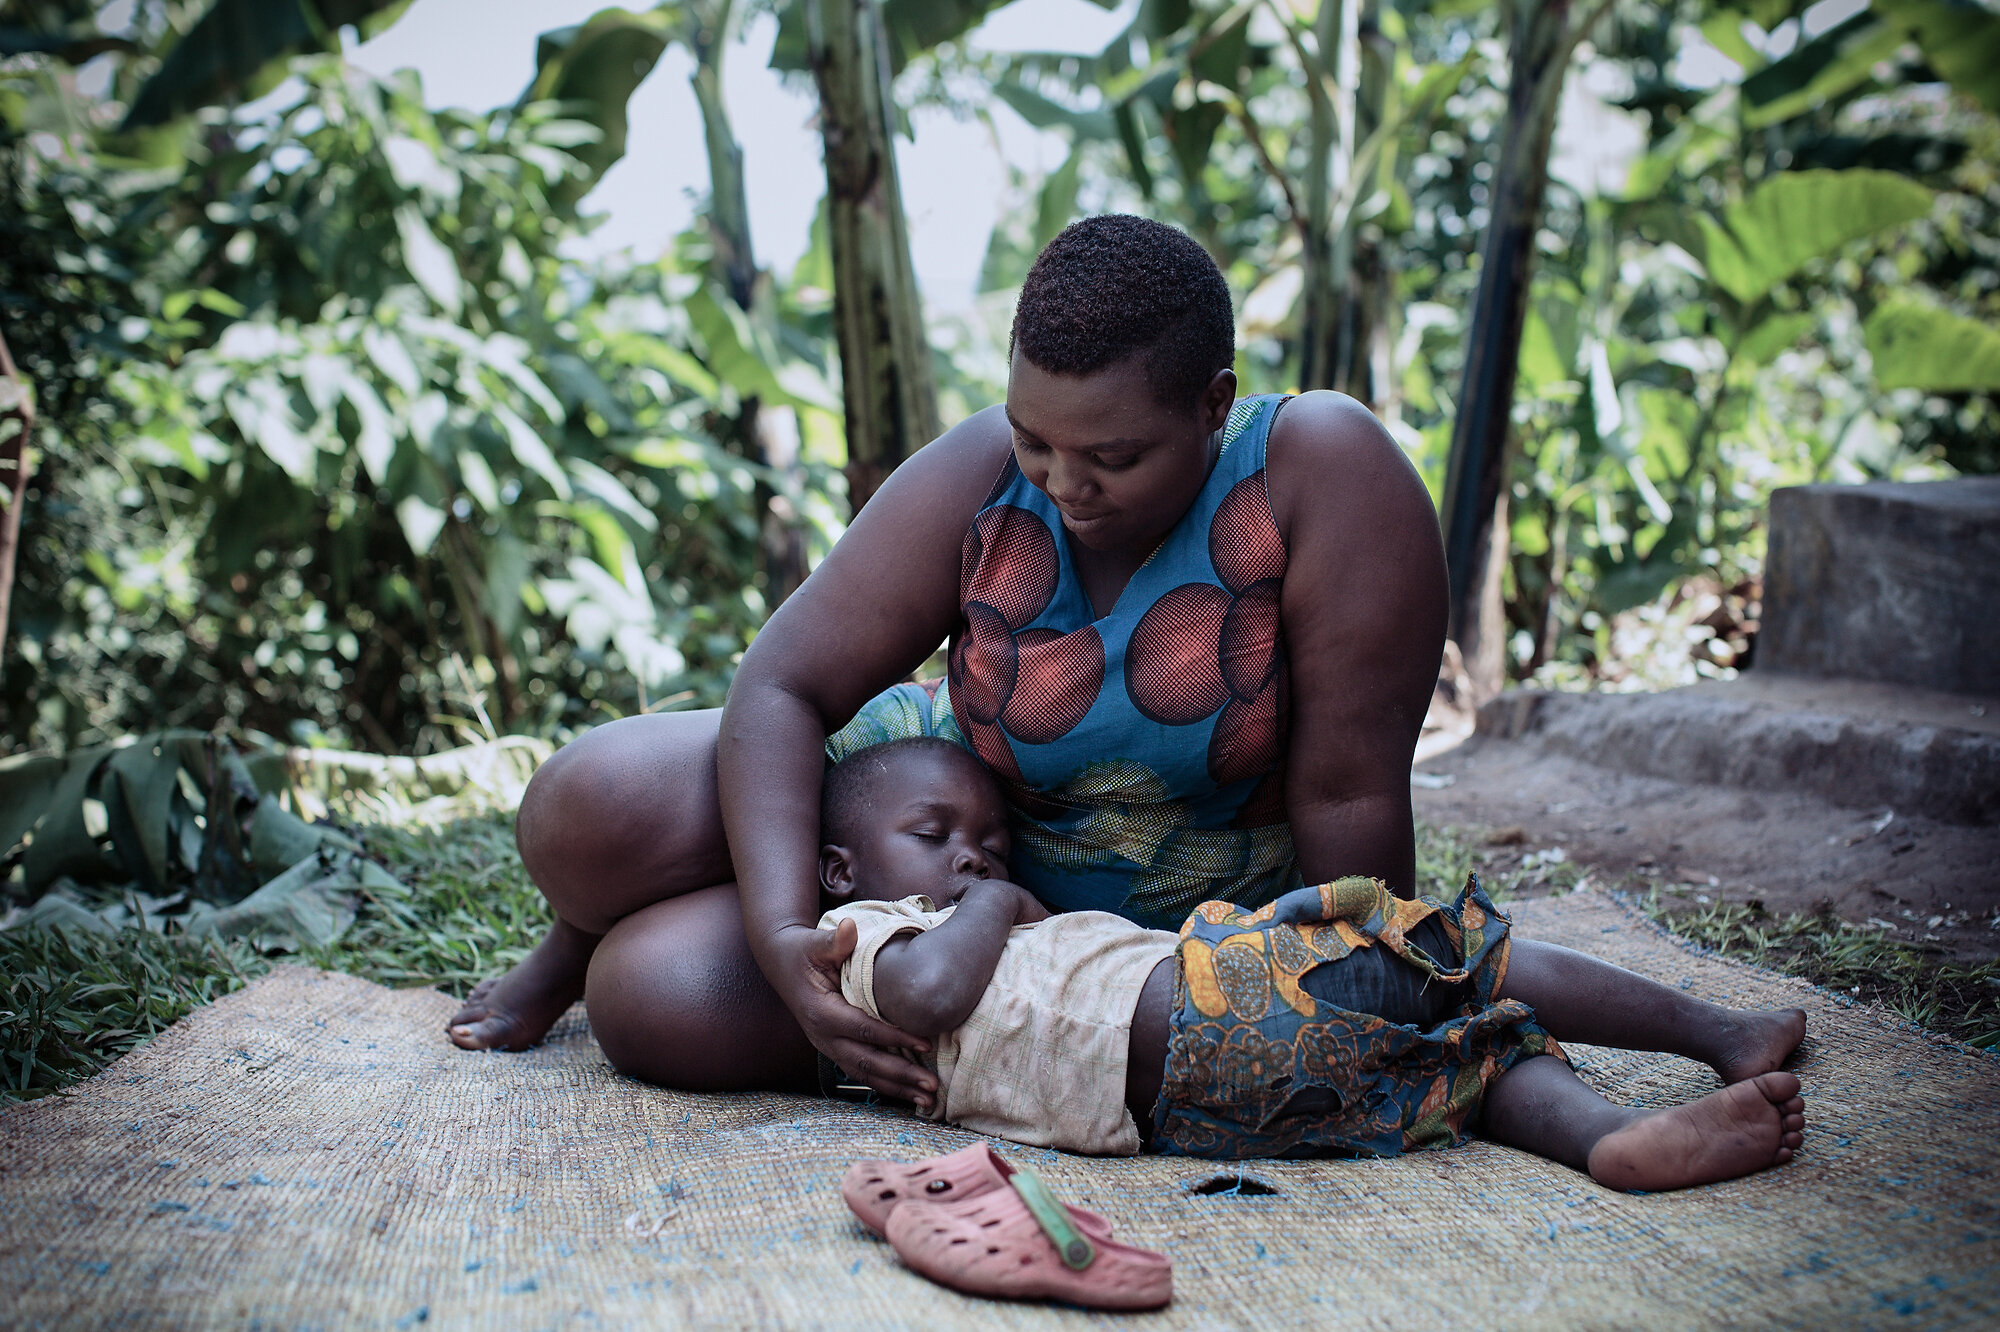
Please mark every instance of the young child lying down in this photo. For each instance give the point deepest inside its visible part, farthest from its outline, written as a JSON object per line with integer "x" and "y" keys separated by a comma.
{"x": 1339, "y": 1019}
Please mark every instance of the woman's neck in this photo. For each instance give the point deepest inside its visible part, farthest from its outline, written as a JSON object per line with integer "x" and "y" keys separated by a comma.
{"x": 1103, "y": 574}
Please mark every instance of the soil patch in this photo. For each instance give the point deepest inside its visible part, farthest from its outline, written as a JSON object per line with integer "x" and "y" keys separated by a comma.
{"x": 1934, "y": 886}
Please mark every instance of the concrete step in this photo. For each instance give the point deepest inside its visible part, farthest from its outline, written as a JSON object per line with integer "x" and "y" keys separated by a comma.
{"x": 1891, "y": 581}
{"x": 1858, "y": 744}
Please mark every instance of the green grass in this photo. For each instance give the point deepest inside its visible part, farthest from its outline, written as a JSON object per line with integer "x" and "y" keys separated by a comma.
{"x": 1962, "y": 1001}
{"x": 1958, "y": 1000}
{"x": 76, "y": 1000}
{"x": 1445, "y": 855}
{"x": 467, "y": 910}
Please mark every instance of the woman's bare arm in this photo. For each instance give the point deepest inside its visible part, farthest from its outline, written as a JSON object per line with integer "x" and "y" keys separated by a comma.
{"x": 878, "y": 605}
{"x": 1363, "y": 614}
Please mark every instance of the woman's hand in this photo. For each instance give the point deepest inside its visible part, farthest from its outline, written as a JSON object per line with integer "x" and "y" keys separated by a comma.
{"x": 864, "y": 1047}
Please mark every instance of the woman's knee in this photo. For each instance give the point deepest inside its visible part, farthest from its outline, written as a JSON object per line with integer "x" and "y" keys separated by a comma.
{"x": 623, "y": 816}
{"x": 675, "y": 998}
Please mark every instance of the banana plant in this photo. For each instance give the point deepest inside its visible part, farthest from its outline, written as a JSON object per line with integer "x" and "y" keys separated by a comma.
{"x": 1541, "y": 39}
{"x": 1913, "y": 344}
{"x": 176, "y": 831}
{"x": 596, "y": 66}
{"x": 237, "y": 49}
{"x": 888, "y": 385}
{"x": 854, "y": 49}
{"x": 380, "y": 369}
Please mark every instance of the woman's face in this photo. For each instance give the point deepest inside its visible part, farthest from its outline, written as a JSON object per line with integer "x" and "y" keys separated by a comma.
{"x": 1121, "y": 468}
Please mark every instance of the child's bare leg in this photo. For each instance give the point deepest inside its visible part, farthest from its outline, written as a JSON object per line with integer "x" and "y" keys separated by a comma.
{"x": 1540, "y": 1106}
{"x": 1579, "y": 998}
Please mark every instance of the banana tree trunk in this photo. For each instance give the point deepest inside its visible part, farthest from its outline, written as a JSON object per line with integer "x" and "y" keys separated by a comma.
{"x": 1329, "y": 257}
{"x": 728, "y": 201}
{"x": 1544, "y": 33}
{"x": 885, "y": 362}
{"x": 17, "y": 422}
{"x": 781, "y": 550}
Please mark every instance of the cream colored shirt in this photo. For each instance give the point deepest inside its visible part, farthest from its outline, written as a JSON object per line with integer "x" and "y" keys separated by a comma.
{"x": 1042, "y": 1058}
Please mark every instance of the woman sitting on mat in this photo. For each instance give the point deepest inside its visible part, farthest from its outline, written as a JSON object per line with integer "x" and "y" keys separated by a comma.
{"x": 1339, "y": 1019}
{"x": 1194, "y": 638}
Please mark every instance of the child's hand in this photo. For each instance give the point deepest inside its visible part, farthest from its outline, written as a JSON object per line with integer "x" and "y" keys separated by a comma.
{"x": 1030, "y": 908}
{"x": 1027, "y": 909}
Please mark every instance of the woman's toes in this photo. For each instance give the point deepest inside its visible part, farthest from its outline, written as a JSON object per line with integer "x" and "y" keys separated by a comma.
{"x": 494, "y": 1032}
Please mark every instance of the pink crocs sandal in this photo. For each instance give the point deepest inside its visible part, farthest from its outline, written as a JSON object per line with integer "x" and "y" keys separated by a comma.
{"x": 1018, "y": 1243}
{"x": 873, "y": 1189}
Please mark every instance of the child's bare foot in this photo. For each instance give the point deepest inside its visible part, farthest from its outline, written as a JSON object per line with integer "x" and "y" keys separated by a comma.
{"x": 1755, "y": 1041}
{"x": 514, "y": 1010}
{"x": 1737, "y": 1131}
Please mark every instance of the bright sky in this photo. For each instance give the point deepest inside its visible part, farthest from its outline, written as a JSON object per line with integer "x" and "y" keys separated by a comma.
{"x": 481, "y": 53}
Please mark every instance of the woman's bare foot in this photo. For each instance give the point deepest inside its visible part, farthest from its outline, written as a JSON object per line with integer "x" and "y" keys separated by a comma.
{"x": 1756, "y": 1041}
{"x": 1741, "y": 1129}
{"x": 514, "y": 1010}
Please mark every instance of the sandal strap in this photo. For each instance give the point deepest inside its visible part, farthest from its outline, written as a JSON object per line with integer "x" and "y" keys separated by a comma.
{"x": 1076, "y": 1252}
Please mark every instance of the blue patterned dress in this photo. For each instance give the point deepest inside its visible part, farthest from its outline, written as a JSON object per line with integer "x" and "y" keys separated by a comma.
{"x": 1142, "y": 752}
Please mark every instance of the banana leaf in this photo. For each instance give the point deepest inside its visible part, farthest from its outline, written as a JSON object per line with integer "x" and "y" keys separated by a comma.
{"x": 232, "y": 49}
{"x": 175, "y": 831}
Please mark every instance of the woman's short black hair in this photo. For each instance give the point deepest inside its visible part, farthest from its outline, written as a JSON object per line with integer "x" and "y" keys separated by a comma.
{"x": 1116, "y": 286}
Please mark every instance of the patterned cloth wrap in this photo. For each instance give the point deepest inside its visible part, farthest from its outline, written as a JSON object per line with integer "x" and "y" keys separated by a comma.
{"x": 1247, "y": 1039}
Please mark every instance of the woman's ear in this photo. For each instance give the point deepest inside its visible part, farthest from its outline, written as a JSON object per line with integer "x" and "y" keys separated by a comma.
{"x": 836, "y": 872}
{"x": 1217, "y": 399}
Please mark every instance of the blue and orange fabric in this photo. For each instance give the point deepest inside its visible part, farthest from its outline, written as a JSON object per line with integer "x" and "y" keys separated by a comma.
{"x": 1258, "y": 1067}
{"x": 1141, "y": 751}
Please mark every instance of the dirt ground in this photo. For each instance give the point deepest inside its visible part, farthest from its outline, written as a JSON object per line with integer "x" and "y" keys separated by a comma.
{"x": 1920, "y": 881}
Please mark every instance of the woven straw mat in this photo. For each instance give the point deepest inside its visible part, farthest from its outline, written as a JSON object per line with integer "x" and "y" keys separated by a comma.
{"x": 310, "y": 1152}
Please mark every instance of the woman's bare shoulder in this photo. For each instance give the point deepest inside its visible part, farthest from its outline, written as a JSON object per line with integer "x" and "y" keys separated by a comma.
{"x": 887, "y": 593}
{"x": 956, "y": 469}
{"x": 1332, "y": 463}
{"x": 915, "y": 522}
{"x": 1367, "y": 571}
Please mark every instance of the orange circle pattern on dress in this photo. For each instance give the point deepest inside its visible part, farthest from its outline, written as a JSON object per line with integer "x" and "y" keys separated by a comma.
{"x": 1243, "y": 540}
{"x": 1195, "y": 641}
{"x": 1173, "y": 663}
{"x": 1058, "y": 677}
{"x": 1009, "y": 563}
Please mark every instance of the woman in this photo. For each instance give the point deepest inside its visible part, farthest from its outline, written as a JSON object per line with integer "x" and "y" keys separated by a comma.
{"x": 1195, "y": 639}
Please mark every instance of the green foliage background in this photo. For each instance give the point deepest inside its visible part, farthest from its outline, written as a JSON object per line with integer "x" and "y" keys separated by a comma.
{"x": 340, "y": 443}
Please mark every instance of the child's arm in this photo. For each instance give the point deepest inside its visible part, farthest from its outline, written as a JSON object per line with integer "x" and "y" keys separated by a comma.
{"x": 930, "y": 982}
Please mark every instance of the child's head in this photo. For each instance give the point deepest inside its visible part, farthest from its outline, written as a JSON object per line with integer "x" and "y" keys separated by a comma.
{"x": 911, "y": 816}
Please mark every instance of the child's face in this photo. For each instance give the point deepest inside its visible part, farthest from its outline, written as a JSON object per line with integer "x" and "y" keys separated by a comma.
{"x": 932, "y": 824}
